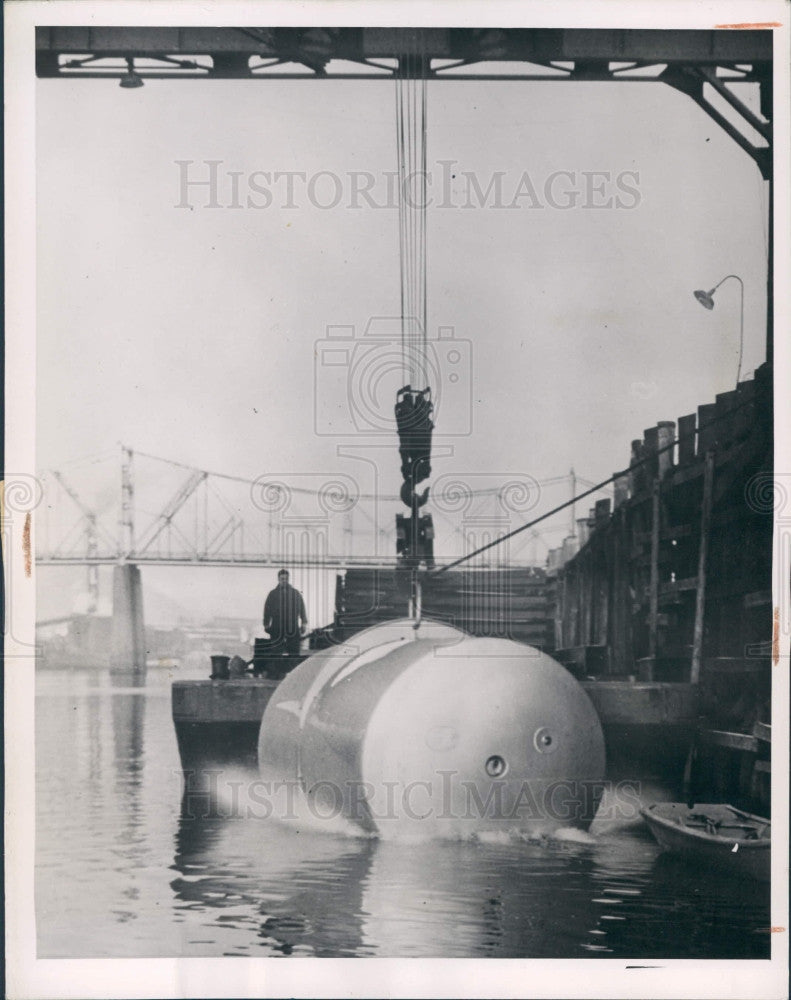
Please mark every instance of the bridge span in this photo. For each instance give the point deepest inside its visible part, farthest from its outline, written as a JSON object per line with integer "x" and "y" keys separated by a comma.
{"x": 169, "y": 514}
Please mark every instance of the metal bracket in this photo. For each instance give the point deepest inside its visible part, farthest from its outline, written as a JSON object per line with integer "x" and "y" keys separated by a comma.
{"x": 690, "y": 80}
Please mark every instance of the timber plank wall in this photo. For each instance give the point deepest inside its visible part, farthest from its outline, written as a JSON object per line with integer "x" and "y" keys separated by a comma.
{"x": 675, "y": 581}
{"x": 496, "y": 602}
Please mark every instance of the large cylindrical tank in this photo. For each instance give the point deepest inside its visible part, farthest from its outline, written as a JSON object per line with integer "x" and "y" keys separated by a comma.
{"x": 433, "y": 732}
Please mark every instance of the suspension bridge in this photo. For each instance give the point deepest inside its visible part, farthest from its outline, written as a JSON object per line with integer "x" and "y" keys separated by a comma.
{"x": 165, "y": 512}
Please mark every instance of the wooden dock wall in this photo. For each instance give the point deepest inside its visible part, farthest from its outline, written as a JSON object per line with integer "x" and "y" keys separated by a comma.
{"x": 673, "y": 580}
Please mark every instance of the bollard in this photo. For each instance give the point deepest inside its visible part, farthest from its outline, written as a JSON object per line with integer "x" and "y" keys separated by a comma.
{"x": 220, "y": 668}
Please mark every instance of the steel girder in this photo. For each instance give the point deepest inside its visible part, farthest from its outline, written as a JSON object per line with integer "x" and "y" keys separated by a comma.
{"x": 700, "y": 64}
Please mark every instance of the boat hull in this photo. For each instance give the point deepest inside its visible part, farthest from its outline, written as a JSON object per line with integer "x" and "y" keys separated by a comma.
{"x": 728, "y": 850}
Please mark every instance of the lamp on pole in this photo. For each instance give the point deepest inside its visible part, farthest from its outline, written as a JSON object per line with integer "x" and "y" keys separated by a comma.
{"x": 706, "y": 299}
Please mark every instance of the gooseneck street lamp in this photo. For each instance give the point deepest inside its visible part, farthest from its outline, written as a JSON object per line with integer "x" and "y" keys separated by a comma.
{"x": 706, "y": 299}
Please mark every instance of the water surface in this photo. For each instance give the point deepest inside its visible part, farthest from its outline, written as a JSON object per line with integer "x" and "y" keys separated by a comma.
{"x": 120, "y": 872}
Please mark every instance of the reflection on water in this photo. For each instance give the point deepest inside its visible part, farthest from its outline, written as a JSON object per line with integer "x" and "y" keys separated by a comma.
{"x": 120, "y": 872}
{"x": 288, "y": 894}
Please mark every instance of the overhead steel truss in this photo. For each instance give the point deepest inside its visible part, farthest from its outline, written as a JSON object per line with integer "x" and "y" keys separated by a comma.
{"x": 253, "y": 561}
{"x": 704, "y": 65}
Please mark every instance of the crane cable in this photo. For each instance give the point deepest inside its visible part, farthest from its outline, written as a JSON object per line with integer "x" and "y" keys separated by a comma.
{"x": 411, "y": 129}
{"x": 413, "y": 409}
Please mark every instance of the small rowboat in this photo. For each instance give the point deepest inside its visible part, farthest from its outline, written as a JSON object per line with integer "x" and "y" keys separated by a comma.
{"x": 713, "y": 834}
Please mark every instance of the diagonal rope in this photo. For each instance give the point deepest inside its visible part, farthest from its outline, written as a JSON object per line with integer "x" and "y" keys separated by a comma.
{"x": 586, "y": 493}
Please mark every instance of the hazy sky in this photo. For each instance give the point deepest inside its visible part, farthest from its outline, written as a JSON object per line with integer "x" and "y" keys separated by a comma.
{"x": 192, "y": 332}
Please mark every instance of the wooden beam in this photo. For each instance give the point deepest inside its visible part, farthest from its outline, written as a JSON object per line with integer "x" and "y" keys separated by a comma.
{"x": 734, "y": 741}
{"x": 762, "y": 731}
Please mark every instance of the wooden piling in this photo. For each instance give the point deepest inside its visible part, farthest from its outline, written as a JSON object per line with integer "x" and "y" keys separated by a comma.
{"x": 656, "y": 581}
{"x": 601, "y": 512}
{"x": 570, "y": 547}
{"x": 700, "y": 597}
{"x": 686, "y": 439}
{"x": 707, "y": 428}
{"x": 617, "y": 627}
{"x": 653, "y": 591}
{"x": 650, "y": 447}
{"x": 666, "y": 432}
{"x": 637, "y": 472}
{"x": 724, "y": 407}
{"x": 744, "y": 417}
{"x": 621, "y": 488}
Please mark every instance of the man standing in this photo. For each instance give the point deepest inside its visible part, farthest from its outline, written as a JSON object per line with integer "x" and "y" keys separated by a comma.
{"x": 285, "y": 619}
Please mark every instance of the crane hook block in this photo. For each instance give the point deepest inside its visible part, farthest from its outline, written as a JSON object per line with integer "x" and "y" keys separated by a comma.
{"x": 412, "y": 545}
{"x": 413, "y": 412}
{"x": 412, "y": 498}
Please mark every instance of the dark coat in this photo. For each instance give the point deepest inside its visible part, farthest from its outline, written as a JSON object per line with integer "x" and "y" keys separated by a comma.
{"x": 284, "y": 611}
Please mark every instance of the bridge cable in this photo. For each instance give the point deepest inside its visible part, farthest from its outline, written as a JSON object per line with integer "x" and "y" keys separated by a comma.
{"x": 246, "y": 481}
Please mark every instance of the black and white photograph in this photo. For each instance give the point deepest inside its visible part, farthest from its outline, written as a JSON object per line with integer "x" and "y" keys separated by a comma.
{"x": 396, "y": 534}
